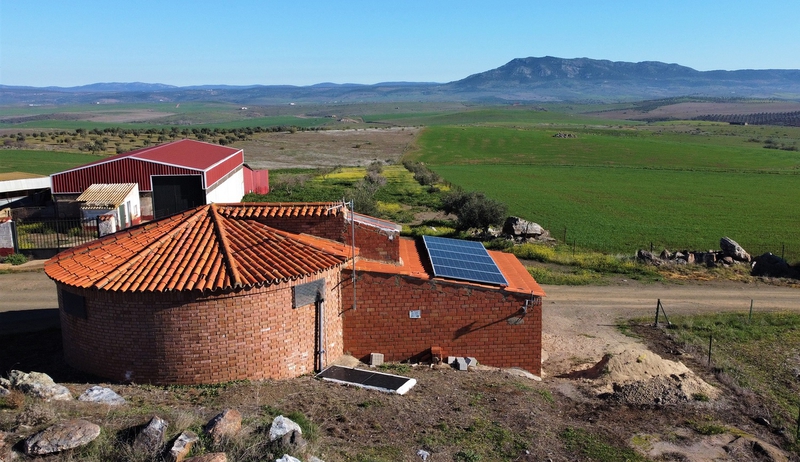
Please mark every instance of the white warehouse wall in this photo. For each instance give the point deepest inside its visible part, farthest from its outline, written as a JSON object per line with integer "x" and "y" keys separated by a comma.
{"x": 230, "y": 189}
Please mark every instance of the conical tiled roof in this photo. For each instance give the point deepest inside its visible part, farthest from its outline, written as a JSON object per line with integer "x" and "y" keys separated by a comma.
{"x": 202, "y": 249}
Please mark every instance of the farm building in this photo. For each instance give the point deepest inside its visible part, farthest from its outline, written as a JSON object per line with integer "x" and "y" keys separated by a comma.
{"x": 115, "y": 205}
{"x": 171, "y": 177}
{"x": 253, "y": 291}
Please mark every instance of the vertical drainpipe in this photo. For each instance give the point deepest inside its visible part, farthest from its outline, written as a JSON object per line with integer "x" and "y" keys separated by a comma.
{"x": 320, "y": 309}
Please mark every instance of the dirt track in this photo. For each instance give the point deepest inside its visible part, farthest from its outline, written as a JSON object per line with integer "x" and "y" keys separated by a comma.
{"x": 579, "y": 322}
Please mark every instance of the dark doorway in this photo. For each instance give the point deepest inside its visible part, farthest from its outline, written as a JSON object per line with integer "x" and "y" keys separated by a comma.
{"x": 173, "y": 194}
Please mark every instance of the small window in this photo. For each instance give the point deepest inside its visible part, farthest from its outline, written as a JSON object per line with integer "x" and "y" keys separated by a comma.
{"x": 308, "y": 293}
{"x": 74, "y": 305}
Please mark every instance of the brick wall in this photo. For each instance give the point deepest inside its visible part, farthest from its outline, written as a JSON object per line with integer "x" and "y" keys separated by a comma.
{"x": 327, "y": 227}
{"x": 485, "y": 323}
{"x": 374, "y": 243}
{"x": 189, "y": 338}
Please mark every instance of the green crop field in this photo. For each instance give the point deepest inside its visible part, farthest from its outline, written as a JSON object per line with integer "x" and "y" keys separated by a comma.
{"x": 618, "y": 190}
{"x": 41, "y": 162}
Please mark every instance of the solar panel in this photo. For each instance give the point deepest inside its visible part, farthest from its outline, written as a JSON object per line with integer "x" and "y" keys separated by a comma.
{"x": 463, "y": 260}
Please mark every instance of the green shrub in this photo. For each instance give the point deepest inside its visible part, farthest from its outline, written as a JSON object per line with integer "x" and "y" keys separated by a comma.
{"x": 16, "y": 259}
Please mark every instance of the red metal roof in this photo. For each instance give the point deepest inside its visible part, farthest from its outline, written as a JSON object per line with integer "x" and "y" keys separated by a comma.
{"x": 185, "y": 153}
{"x": 519, "y": 280}
{"x": 201, "y": 249}
{"x": 183, "y": 157}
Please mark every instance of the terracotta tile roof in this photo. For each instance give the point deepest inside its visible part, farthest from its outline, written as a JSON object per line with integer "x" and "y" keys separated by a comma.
{"x": 200, "y": 249}
{"x": 290, "y": 209}
{"x": 519, "y": 280}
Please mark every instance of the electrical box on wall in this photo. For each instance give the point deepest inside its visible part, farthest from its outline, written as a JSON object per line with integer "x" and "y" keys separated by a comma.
{"x": 415, "y": 314}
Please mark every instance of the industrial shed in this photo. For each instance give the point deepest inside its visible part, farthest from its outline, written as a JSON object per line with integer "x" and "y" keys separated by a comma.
{"x": 253, "y": 291}
{"x": 171, "y": 177}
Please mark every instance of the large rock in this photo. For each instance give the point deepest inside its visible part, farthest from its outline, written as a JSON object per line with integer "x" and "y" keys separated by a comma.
{"x": 281, "y": 426}
{"x": 287, "y": 458}
{"x": 732, "y": 249}
{"x": 182, "y": 446}
{"x": 772, "y": 266}
{"x": 517, "y": 227}
{"x": 102, "y": 395}
{"x": 648, "y": 257}
{"x": 39, "y": 385}
{"x": 62, "y": 436}
{"x": 224, "y": 425}
{"x": 151, "y": 437}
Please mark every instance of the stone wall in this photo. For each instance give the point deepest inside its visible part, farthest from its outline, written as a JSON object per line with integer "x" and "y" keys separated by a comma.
{"x": 488, "y": 324}
{"x": 189, "y": 338}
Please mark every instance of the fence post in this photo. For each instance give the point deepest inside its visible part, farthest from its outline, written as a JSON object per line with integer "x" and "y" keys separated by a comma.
{"x": 658, "y": 305}
{"x": 14, "y": 236}
{"x": 710, "y": 339}
{"x": 750, "y": 318}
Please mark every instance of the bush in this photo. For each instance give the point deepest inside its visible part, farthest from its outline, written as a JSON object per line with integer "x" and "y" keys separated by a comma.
{"x": 474, "y": 210}
{"x": 16, "y": 259}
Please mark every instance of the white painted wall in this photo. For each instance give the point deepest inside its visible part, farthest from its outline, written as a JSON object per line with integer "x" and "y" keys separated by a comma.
{"x": 229, "y": 190}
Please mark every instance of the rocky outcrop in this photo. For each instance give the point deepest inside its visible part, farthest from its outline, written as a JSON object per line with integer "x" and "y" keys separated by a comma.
{"x": 39, "y": 385}
{"x": 102, "y": 395}
{"x": 224, "y": 425}
{"x": 521, "y": 230}
{"x": 182, "y": 446}
{"x": 731, "y": 248}
{"x": 62, "y": 436}
{"x": 151, "y": 437}
{"x": 281, "y": 426}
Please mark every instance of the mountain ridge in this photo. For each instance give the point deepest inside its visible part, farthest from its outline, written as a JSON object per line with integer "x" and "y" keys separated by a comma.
{"x": 532, "y": 79}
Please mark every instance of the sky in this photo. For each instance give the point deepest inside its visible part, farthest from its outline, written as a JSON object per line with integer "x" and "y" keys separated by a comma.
{"x": 265, "y": 42}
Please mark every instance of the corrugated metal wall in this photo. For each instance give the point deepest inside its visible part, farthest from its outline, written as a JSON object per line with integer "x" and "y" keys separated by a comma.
{"x": 116, "y": 171}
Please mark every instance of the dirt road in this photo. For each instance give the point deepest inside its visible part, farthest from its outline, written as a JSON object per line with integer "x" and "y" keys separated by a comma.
{"x": 579, "y": 322}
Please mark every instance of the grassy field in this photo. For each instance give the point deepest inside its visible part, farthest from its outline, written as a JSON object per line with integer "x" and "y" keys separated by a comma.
{"x": 618, "y": 190}
{"x": 41, "y": 162}
{"x": 758, "y": 354}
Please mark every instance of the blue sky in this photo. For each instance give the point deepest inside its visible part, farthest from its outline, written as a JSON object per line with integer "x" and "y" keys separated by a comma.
{"x": 78, "y": 42}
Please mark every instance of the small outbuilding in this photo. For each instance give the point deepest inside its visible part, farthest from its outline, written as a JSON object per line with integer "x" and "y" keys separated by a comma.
{"x": 226, "y": 292}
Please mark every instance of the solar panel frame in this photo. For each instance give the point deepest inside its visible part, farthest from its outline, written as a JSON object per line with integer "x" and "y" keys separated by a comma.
{"x": 462, "y": 260}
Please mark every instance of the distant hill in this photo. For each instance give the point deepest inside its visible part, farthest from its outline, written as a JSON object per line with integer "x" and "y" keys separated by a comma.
{"x": 520, "y": 80}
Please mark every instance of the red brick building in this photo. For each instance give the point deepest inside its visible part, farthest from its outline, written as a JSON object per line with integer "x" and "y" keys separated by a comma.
{"x": 254, "y": 291}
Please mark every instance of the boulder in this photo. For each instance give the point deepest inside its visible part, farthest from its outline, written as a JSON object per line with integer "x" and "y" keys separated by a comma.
{"x": 710, "y": 259}
{"x": 61, "y": 436}
{"x": 770, "y": 265}
{"x": 665, "y": 255}
{"x": 518, "y": 227}
{"x": 39, "y": 385}
{"x": 151, "y": 437}
{"x": 648, "y": 257}
{"x": 224, "y": 425}
{"x": 287, "y": 458}
{"x": 731, "y": 249}
{"x": 102, "y": 395}
{"x": 4, "y": 392}
{"x": 182, "y": 446}
{"x": 281, "y": 426}
{"x": 211, "y": 457}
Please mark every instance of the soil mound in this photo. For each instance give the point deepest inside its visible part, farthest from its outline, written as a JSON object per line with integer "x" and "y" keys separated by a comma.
{"x": 639, "y": 376}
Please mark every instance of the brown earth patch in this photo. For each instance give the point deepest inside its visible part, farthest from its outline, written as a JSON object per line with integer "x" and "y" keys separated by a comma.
{"x": 327, "y": 148}
{"x": 691, "y": 110}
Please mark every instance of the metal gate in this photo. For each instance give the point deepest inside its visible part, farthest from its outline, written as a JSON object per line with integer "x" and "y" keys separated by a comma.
{"x": 44, "y": 238}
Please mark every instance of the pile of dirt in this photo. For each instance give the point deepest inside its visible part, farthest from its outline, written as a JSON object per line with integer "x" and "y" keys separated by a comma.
{"x": 639, "y": 376}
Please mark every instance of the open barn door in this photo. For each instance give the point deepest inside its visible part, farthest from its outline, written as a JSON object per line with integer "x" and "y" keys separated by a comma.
{"x": 173, "y": 194}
